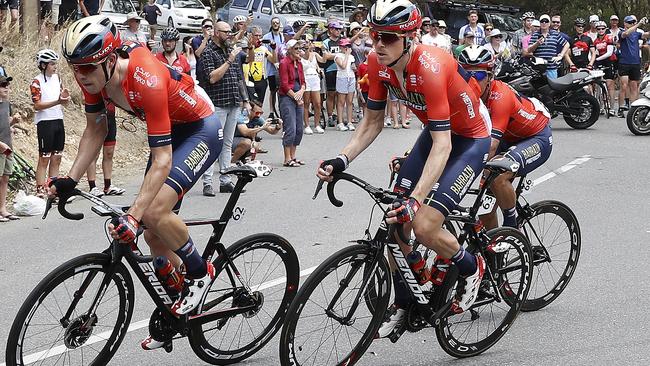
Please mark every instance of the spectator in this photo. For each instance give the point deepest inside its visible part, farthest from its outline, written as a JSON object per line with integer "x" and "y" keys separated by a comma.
{"x": 330, "y": 49}
{"x": 3, "y": 72}
{"x": 169, "y": 37}
{"x": 525, "y": 42}
{"x": 288, "y": 33}
{"x": 248, "y": 126}
{"x": 310, "y": 60}
{"x": 108, "y": 151}
{"x": 273, "y": 39}
{"x": 487, "y": 27}
{"x": 240, "y": 26}
{"x": 188, "y": 52}
{"x": 202, "y": 40}
{"x": 90, "y": 7}
{"x": 497, "y": 46}
{"x": 12, "y": 7}
{"x": 6, "y": 156}
{"x": 362, "y": 76}
{"x": 527, "y": 29}
{"x": 345, "y": 85}
{"x": 614, "y": 30}
{"x": 133, "y": 32}
{"x": 358, "y": 16}
{"x": 217, "y": 72}
{"x": 358, "y": 37}
{"x": 292, "y": 88}
{"x": 545, "y": 43}
{"x": 67, "y": 12}
{"x": 605, "y": 58}
{"x": 629, "y": 62}
{"x": 300, "y": 28}
{"x": 48, "y": 96}
{"x": 442, "y": 28}
{"x": 424, "y": 29}
{"x": 46, "y": 20}
{"x": 556, "y": 24}
{"x": 468, "y": 40}
{"x": 582, "y": 51}
{"x": 151, "y": 14}
{"x": 255, "y": 71}
{"x": 474, "y": 27}
{"x": 593, "y": 33}
{"x": 435, "y": 38}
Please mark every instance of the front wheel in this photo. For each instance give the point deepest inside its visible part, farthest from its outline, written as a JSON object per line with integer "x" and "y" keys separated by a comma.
{"x": 335, "y": 317}
{"x": 586, "y": 109}
{"x": 268, "y": 267}
{"x": 69, "y": 317}
{"x": 638, "y": 120}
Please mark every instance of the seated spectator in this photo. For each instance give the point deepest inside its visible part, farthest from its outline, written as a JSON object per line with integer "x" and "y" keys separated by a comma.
{"x": 6, "y": 156}
{"x": 292, "y": 88}
{"x": 48, "y": 96}
{"x": 248, "y": 126}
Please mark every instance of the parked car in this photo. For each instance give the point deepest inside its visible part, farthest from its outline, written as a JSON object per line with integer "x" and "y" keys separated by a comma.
{"x": 454, "y": 13}
{"x": 116, "y": 11}
{"x": 263, "y": 10}
{"x": 182, "y": 14}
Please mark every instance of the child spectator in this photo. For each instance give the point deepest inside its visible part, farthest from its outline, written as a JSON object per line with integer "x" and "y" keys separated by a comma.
{"x": 6, "y": 157}
{"x": 362, "y": 75}
{"x": 345, "y": 84}
{"x": 48, "y": 95}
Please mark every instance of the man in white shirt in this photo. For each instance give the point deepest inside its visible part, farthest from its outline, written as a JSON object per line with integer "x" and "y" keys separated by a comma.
{"x": 434, "y": 38}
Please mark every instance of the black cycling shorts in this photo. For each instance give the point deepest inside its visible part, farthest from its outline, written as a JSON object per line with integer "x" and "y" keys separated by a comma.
{"x": 530, "y": 152}
{"x": 9, "y": 4}
{"x": 51, "y": 136}
{"x": 273, "y": 83}
{"x": 633, "y": 72}
{"x": 608, "y": 68}
{"x": 330, "y": 81}
{"x": 111, "y": 135}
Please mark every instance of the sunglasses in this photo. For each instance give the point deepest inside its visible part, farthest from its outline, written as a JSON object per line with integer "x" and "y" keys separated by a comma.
{"x": 579, "y": 26}
{"x": 556, "y": 22}
{"x": 228, "y": 33}
{"x": 386, "y": 38}
{"x": 87, "y": 68}
{"x": 479, "y": 75}
{"x": 499, "y": 36}
{"x": 4, "y": 84}
{"x": 442, "y": 27}
{"x": 207, "y": 27}
{"x": 632, "y": 22}
{"x": 488, "y": 29}
{"x": 544, "y": 21}
{"x": 601, "y": 28}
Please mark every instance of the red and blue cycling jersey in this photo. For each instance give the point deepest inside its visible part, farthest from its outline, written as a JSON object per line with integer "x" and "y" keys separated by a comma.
{"x": 155, "y": 93}
{"x": 437, "y": 90}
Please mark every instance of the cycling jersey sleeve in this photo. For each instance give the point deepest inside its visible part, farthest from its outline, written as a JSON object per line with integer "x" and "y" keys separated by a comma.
{"x": 436, "y": 78}
{"x": 377, "y": 91}
{"x": 151, "y": 82}
{"x": 93, "y": 103}
{"x": 499, "y": 106}
{"x": 35, "y": 89}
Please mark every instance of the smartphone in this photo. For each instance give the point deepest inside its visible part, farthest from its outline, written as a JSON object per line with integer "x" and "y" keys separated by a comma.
{"x": 250, "y": 13}
{"x": 266, "y": 41}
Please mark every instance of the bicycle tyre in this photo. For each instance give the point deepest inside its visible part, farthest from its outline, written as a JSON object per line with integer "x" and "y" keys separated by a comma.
{"x": 68, "y": 270}
{"x": 456, "y": 343}
{"x": 570, "y": 223}
{"x": 240, "y": 251}
{"x": 355, "y": 255}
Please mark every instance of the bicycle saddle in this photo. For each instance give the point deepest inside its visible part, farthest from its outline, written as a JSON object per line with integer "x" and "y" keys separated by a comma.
{"x": 241, "y": 171}
{"x": 505, "y": 165}
{"x": 566, "y": 82}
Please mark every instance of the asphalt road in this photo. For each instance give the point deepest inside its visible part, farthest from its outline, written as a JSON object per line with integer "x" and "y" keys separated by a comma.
{"x": 600, "y": 319}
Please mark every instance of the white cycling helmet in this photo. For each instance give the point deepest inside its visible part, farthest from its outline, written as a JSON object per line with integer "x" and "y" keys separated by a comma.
{"x": 47, "y": 55}
{"x": 239, "y": 19}
{"x": 476, "y": 57}
{"x": 260, "y": 169}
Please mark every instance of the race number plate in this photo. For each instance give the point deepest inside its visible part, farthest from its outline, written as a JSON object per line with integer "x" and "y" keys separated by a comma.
{"x": 487, "y": 204}
{"x": 528, "y": 185}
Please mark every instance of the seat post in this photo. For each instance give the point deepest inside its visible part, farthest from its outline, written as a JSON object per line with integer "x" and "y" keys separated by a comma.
{"x": 234, "y": 197}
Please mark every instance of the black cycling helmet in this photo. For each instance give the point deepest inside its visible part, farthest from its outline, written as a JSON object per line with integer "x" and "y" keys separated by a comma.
{"x": 170, "y": 34}
{"x": 477, "y": 57}
{"x": 580, "y": 21}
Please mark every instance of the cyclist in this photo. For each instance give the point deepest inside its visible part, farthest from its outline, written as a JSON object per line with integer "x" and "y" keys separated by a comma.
{"x": 605, "y": 59}
{"x": 582, "y": 54}
{"x": 520, "y": 130}
{"x": 169, "y": 37}
{"x": 184, "y": 134}
{"x": 446, "y": 158}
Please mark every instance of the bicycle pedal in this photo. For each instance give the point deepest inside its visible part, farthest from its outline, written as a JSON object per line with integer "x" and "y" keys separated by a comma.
{"x": 168, "y": 347}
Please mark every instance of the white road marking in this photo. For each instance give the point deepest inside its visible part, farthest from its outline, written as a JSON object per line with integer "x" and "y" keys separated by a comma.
{"x": 38, "y": 356}
{"x": 561, "y": 170}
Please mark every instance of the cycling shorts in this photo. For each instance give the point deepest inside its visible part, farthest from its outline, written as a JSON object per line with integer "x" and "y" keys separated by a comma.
{"x": 608, "y": 68}
{"x": 465, "y": 163}
{"x": 195, "y": 147}
{"x": 530, "y": 152}
{"x": 111, "y": 136}
{"x": 51, "y": 136}
{"x": 633, "y": 72}
{"x": 46, "y": 10}
{"x": 273, "y": 83}
{"x": 330, "y": 81}
{"x": 9, "y": 4}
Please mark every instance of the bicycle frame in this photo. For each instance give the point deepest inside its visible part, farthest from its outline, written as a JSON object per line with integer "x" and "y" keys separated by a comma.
{"x": 140, "y": 264}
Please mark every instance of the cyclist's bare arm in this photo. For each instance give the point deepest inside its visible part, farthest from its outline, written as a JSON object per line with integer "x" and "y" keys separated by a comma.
{"x": 433, "y": 167}
{"x": 161, "y": 163}
{"x": 90, "y": 144}
{"x": 369, "y": 128}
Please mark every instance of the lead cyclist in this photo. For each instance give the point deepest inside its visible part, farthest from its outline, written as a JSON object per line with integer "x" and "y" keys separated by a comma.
{"x": 448, "y": 155}
{"x": 184, "y": 134}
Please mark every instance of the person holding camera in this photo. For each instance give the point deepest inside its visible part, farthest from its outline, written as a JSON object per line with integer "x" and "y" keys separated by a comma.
{"x": 545, "y": 43}
{"x": 256, "y": 70}
{"x": 248, "y": 126}
{"x": 292, "y": 89}
{"x": 200, "y": 42}
{"x": 272, "y": 40}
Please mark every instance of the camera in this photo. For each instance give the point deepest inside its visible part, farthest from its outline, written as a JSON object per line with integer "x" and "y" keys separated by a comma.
{"x": 274, "y": 119}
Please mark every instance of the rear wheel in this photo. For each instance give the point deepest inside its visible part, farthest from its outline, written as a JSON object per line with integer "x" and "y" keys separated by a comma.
{"x": 638, "y": 120}
{"x": 503, "y": 290}
{"x": 314, "y": 335}
{"x": 586, "y": 109}
{"x": 554, "y": 235}
{"x": 268, "y": 266}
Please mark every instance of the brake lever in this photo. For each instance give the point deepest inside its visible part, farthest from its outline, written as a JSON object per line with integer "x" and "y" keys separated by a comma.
{"x": 48, "y": 206}
{"x": 319, "y": 186}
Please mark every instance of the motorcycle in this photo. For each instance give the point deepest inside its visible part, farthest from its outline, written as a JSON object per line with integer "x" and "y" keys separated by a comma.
{"x": 565, "y": 95}
{"x": 638, "y": 117}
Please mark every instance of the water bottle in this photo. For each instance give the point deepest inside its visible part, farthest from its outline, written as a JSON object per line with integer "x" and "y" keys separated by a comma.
{"x": 168, "y": 275}
{"x": 419, "y": 266}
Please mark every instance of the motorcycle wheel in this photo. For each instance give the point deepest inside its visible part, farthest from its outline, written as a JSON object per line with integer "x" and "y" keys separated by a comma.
{"x": 638, "y": 121}
{"x": 590, "y": 111}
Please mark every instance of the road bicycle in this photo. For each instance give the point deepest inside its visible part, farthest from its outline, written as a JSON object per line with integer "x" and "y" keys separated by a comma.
{"x": 23, "y": 175}
{"x": 80, "y": 312}
{"x": 337, "y": 312}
